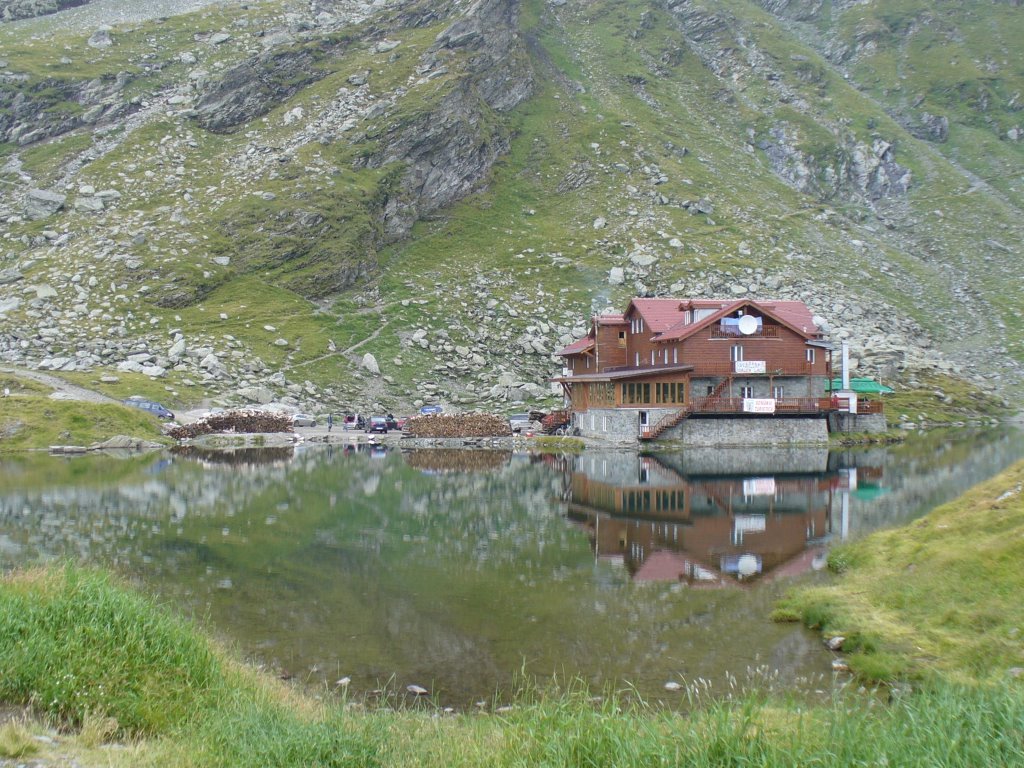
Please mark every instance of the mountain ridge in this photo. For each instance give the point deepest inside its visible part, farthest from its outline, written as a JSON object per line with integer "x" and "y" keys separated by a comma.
{"x": 454, "y": 188}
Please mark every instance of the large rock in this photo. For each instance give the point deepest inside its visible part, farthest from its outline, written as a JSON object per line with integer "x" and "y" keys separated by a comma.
{"x": 40, "y": 203}
{"x": 101, "y": 37}
{"x": 370, "y": 364}
{"x": 260, "y": 395}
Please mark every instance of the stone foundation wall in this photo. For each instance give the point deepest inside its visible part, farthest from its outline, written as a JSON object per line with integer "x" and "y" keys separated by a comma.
{"x": 861, "y": 422}
{"x": 749, "y": 431}
{"x": 617, "y": 424}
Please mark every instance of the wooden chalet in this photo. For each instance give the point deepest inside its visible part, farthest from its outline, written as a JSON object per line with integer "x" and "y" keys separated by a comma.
{"x": 663, "y": 360}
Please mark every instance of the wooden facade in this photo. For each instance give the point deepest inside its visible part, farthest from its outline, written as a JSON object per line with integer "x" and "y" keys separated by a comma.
{"x": 672, "y": 353}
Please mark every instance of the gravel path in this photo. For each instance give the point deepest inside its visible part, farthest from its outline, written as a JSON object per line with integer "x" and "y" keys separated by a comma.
{"x": 70, "y": 391}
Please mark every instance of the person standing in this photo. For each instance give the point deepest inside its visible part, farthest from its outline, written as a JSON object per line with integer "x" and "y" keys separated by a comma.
{"x": 330, "y": 421}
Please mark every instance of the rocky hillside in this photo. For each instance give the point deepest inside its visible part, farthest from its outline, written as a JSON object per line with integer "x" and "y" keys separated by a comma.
{"x": 355, "y": 203}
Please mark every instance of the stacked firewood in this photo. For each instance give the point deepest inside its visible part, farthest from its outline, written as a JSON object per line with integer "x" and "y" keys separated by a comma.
{"x": 246, "y": 421}
{"x": 460, "y": 425}
{"x": 456, "y": 459}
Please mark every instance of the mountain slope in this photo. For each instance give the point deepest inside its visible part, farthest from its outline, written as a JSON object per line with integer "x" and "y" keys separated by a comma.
{"x": 255, "y": 197}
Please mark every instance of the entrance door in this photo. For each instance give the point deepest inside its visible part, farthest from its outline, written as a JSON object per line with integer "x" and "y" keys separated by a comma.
{"x": 644, "y": 422}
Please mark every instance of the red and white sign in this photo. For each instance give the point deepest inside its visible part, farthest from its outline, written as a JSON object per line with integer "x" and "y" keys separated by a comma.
{"x": 750, "y": 366}
{"x": 759, "y": 405}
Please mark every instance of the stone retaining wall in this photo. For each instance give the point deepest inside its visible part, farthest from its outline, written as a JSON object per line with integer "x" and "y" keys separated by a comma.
{"x": 749, "y": 431}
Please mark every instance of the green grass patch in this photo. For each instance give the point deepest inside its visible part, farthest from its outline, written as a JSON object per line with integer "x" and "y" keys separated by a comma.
{"x": 937, "y": 597}
{"x": 72, "y": 645}
{"x": 31, "y": 422}
{"x": 83, "y": 649}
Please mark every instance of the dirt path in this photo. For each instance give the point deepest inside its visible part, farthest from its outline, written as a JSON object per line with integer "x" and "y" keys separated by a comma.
{"x": 69, "y": 391}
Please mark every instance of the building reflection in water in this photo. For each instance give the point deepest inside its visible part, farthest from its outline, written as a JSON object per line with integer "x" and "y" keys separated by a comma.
{"x": 742, "y": 517}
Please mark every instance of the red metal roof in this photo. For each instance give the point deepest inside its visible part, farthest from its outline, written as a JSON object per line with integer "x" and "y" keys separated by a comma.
{"x": 793, "y": 314}
{"x": 580, "y": 345}
{"x": 615, "y": 319}
{"x": 658, "y": 314}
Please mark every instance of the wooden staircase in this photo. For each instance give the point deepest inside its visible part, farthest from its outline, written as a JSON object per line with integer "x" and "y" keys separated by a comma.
{"x": 664, "y": 424}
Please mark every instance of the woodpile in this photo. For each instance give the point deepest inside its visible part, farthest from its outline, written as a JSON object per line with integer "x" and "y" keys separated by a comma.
{"x": 458, "y": 425}
{"x": 445, "y": 460}
{"x": 239, "y": 422}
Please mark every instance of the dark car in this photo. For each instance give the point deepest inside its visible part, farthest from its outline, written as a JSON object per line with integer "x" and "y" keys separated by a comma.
{"x": 354, "y": 421}
{"x": 378, "y": 424}
{"x": 150, "y": 407}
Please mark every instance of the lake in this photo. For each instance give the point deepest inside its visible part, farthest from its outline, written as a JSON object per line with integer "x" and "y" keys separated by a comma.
{"x": 459, "y": 570}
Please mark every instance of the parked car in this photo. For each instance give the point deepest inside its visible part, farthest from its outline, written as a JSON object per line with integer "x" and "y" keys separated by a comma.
{"x": 519, "y": 421}
{"x": 303, "y": 420}
{"x": 401, "y": 421}
{"x": 378, "y": 424}
{"x": 150, "y": 407}
{"x": 429, "y": 410}
{"x": 354, "y": 421}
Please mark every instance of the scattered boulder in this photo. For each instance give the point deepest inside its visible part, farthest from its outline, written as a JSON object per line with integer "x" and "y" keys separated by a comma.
{"x": 101, "y": 38}
{"x": 370, "y": 363}
{"x": 40, "y": 203}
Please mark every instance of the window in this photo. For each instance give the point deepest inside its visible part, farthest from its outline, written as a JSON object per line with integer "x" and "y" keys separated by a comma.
{"x": 669, "y": 392}
{"x": 652, "y": 357}
{"x": 604, "y": 423}
{"x": 636, "y": 360}
{"x": 593, "y": 424}
{"x": 666, "y": 355}
{"x": 810, "y": 355}
{"x": 736, "y": 353}
{"x": 746, "y": 391}
{"x": 622, "y": 338}
{"x": 640, "y": 324}
{"x": 675, "y": 355}
{"x": 778, "y": 392}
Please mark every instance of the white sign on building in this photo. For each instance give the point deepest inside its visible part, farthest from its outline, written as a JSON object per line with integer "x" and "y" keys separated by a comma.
{"x": 759, "y": 486}
{"x": 750, "y": 366}
{"x": 759, "y": 405}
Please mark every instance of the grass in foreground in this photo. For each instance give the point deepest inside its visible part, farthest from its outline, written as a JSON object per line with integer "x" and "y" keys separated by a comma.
{"x": 87, "y": 652}
{"x": 939, "y": 596}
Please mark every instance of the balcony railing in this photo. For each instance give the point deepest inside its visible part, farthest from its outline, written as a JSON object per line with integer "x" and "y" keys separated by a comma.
{"x": 784, "y": 405}
{"x": 798, "y": 405}
{"x": 732, "y": 332}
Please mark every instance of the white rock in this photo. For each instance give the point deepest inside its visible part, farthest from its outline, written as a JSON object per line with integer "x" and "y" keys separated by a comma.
{"x": 370, "y": 364}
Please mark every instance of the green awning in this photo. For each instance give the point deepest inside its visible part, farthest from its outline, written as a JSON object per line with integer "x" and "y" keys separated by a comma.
{"x": 863, "y": 386}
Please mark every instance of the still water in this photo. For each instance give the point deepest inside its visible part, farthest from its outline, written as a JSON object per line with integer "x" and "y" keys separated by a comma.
{"x": 456, "y": 570}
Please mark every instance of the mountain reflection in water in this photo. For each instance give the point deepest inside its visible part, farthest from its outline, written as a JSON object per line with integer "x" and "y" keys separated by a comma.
{"x": 457, "y": 570}
{"x": 714, "y": 518}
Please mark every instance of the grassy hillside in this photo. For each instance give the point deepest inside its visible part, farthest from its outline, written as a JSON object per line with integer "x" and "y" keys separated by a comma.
{"x": 34, "y": 422}
{"x": 703, "y": 148}
{"x": 937, "y": 598}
